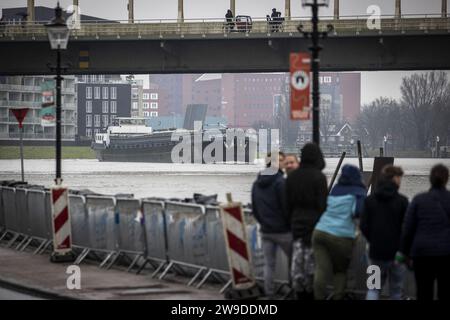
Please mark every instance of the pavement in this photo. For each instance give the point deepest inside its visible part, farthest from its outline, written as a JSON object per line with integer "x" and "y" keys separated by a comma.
{"x": 27, "y": 276}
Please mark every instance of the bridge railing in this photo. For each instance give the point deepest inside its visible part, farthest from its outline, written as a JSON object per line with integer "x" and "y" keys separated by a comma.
{"x": 218, "y": 26}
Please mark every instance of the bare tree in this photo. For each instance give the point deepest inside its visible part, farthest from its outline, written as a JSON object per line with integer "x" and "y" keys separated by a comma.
{"x": 422, "y": 95}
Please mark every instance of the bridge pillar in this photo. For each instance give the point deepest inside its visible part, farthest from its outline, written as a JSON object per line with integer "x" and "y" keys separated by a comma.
{"x": 30, "y": 10}
{"x": 398, "y": 8}
{"x": 130, "y": 8}
{"x": 233, "y": 6}
{"x": 336, "y": 9}
{"x": 444, "y": 9}
{"x": 180, "y": 11}
{"x": 287, "y": 9}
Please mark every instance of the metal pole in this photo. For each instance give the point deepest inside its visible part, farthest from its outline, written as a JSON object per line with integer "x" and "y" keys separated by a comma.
{"x": 180, "y": 11}
{"x": 233, "y": 6}
{"x": 287, "y": 9}
{"x": 315, "y": 73}
{"x": 444, "y": 9}
{"x": 358, "y": 143}
{"x": 336, "y": 9}
{"x": 336, "y": 171}
{"x": 130, "y": 11}
{"x": 398, "y": 9}
{"x": 30, "y": 10}
{"x": 21, "y": 154}
{"x": 58, "y": 79}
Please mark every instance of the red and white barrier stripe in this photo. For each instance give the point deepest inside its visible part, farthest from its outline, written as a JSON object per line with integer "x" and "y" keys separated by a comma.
{"x": 62, "y": 238}
{"x": 239, "y": 256}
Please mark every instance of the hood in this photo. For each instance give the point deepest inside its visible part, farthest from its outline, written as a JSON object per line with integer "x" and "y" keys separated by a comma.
{"x": 266, "y": 180}
{"x": 350, "y": 176}
{"x": 386, "y": 189}
{"x": 312, "y": 157}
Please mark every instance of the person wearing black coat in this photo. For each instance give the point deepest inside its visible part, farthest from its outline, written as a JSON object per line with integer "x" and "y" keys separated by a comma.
{"x": 306, "y": 200}
{"x": 269, "y": 210}
{"x": 381, "y": 224}
{"x": 426, "y": 237}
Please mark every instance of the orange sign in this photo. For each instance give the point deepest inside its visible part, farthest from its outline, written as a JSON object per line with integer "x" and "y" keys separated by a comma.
{"x": 300, "y": 67}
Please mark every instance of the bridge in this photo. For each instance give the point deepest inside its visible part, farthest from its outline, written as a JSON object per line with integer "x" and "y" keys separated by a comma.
{"x": 404, "y": 42}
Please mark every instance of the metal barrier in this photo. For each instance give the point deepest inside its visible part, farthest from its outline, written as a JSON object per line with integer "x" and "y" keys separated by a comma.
{"x": 187, "y": 247}
{"x": 217, "y": 261}
{"x": 131, "y": 236}
{"x": 11, "y": 218}
{"x": 2, "y": 215}
{"x": 155, "y": 235}
{"x": 39, "y": 219}
{"x": 23, "y": 217}
{"x": 102, "y": 233}
{"x": 79, "y": 222}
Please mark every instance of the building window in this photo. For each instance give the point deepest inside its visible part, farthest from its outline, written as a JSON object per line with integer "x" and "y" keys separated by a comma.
{"x": 113, "y": 92}
{"x": 88, "y": 120}
{"x": 101, "y": 78}
{"x": 146, "y": 105}
{"x": 154, "y": 105}
{"x": 89, "y": 106}
{"x": 112, "y": 119}
{"x": 105, "y": 92}
{"x": 105, "y": 120}
{"x": 153, "y": 114}
{"x": 97, "y": 120}
{"x": 105, "y": 107}
{"x": 135, "y": 106}
{"x": 113, "y": 107}
{"x": 93, "y": 77}
{"x": 96, "y": 92}
{"x": 145, "y": 96}
{"x": 154, "y": 96}
{"x": 88, "y": 92}
{"x": 146, "y": 114}
{"x": 89, "y": 132}
{"x": 96, "y": 131}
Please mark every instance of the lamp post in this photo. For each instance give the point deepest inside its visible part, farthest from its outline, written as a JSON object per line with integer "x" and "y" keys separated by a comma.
{"x": 58, "y": 35}
{"x": 315, "y": 48}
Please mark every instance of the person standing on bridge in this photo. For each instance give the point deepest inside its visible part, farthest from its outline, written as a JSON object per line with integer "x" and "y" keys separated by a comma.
{"x": 426, "y": 237}
{"x": 306, "y": 200}
{"x": 269, "y": 210}
{"x": 229, "y": 18}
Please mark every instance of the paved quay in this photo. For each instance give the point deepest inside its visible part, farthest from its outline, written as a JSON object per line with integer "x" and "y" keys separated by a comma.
{"x": 35, "y": 273}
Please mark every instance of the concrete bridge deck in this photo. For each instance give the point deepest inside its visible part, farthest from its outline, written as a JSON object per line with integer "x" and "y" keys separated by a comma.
{"x": 164, "y": 46}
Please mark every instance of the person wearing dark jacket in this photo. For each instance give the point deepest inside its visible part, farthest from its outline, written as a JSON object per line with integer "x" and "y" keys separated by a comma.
{"x": 269, "y": 210}
{"x": 381, "y": 224}
{"x": 334, "y": 234}
{"x": 306, "y": 200}
{"x": 426, "y": 237}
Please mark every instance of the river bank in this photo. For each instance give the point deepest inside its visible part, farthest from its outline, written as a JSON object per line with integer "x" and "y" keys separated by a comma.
{"x": 46, "y": 152}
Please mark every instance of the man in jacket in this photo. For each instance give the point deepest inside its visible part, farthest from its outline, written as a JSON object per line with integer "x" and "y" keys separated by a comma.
{"x": 381, "y": 224}
{"x": 269, "y": 210}
{"x": 306, "y": 200}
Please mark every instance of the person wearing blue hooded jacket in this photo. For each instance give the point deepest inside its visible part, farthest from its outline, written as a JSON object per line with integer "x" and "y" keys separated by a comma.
{"x": 335, "y": 233}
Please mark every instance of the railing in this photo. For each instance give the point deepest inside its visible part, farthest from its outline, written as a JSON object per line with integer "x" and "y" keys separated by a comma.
{"x": 33, "y": 104}
{"x": 25, "y": 88}
{"x": 34, "y": 136}
{"x": 166, "y": 27}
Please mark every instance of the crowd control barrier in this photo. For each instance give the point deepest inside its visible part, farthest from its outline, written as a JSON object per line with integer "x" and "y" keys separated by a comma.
{"x": 155, "y": 231}
{"x": 130, "y": 230}
{"x": 2, "y": 215}
{"x": 102, "y": 234}
{"x": 184, "y": 238}
{"x": 187, "y": 242}
{"x": 39, "y": 219}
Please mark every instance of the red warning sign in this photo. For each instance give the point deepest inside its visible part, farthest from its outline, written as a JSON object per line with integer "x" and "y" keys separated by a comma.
{"x": 20, "y": 114}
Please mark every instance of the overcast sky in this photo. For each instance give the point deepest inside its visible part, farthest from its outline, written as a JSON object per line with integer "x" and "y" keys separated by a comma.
{"x": 373, "y": 84}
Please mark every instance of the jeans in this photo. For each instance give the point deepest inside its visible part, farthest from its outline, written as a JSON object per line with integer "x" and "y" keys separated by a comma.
{"x": 302, "y": 268}
{"x": 332, "y": 256}
{"x": 270, "y": 243}
{"x": 395, "y": 272}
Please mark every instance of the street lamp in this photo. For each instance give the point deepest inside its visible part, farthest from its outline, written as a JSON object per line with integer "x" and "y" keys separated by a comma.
{"x": 58, "y": 35}
{"x": 315, "y": 48}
